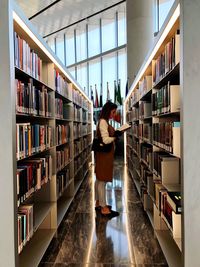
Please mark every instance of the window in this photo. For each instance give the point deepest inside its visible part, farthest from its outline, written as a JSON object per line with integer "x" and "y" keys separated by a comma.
{"x": 108, "y": 29}
{"x": 60, "y": 48}
{"x": 94, "y": 39}
{"x": 72, "y": 72}
{"x": 164, "y": 8}
{"x": 70, "y": 48}
{"x": 161, "y": 10}
{"x": 82, "y": 76}
{"x": 109, "y": 75}
{"x": 81, "y": 47}
{"x": 51, "y": 43}
{"x": 95, "y": 75}
{"x": 121, "y": 28}
{"x": 122, "y": 69}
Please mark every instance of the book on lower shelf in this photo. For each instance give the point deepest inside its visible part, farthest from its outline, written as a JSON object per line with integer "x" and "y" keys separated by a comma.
{"x": 174, "y": 199}
{"x": 25, "y": 225}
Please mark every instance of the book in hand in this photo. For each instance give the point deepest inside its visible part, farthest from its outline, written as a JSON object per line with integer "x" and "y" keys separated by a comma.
{"x": 124, "y": 127}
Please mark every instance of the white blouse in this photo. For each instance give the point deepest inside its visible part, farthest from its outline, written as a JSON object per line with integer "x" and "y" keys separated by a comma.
{"x": 103, "y": 128}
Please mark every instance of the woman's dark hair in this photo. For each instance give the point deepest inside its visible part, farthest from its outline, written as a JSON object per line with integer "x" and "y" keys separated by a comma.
{"x": 106, "y": 110}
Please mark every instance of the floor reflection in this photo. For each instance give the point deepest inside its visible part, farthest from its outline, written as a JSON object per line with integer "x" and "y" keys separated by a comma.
{"x": 87, "y": 239}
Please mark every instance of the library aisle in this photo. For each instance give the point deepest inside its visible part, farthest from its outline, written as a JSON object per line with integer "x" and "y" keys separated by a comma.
{"x": 85, "y": 238}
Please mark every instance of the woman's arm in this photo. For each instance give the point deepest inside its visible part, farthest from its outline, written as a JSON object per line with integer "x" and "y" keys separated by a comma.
{"x": 103, "y": 128}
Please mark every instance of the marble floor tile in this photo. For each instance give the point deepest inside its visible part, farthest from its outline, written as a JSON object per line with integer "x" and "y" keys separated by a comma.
{"x": 85, "y": 238}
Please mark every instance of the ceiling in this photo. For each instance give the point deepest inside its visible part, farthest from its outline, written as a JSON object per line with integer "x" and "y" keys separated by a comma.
{"x": 62, "y": 13}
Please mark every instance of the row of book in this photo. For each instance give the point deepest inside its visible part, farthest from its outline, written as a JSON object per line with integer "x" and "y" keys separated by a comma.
{"x": 132, "y": 115}
{"x": 63, "y": 110}
{"x": 166, "y": 135}
{"x": 25, "y": 225}
{"x": 145, "y": 109}
{"x": 62, "y": 86}
{"x": 168, "y": 59}
{"x": 77, "y": 114}
{"x": 32, "y": 174}
{"x": 26, "y": 59}
{"x": 134, "y": 98}
{"x": 62, "y": 158}
{"x": 166, "y": 100}
{"x": 146, "y": 154}
{"x": 78, "y": 164}
{"x": 145, "y": 85}
{"x": 62, "y": 181}
{"x": 62, "y": 134}
{"x": 78, "y": 147}
{"x": 145, "y": 132}
{"x": 32, "y": 100}
{"x": 32, "y": 138}
{"x": 144, "y": 174}
{"x": 166, "y": 167}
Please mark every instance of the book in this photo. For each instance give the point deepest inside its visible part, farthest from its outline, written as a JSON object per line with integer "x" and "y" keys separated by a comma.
{"x": 124, "y": 127}
{"x": 174, "y": 199}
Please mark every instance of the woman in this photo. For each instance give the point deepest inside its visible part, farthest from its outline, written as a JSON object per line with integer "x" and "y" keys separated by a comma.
{"x": 104, "y": 160}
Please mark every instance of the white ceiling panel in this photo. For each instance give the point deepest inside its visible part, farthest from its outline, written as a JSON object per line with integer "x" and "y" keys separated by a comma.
{"x": 63, "y": 13}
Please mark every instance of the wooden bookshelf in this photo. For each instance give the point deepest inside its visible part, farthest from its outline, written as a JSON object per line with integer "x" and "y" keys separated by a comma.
{"x": 35, "y": 80}
{"x": 159, "y": 118}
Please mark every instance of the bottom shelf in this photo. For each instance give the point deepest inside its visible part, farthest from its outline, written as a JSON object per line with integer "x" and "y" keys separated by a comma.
{"x": 35, "y": 249}
{"x": 77, "y": 184}
{"x": 150, "y": 215}
{"x": 62, "y": 207}
{"x": 169, "y": 248}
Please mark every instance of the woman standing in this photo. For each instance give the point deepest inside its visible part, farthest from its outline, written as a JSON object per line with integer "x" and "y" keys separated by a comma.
{"x": 104, "y": 160}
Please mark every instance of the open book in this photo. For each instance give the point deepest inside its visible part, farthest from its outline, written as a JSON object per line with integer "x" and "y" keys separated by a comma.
{"x": 124, "y": 127}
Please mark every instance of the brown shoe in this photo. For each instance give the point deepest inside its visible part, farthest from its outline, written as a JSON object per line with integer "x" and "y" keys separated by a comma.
{"x": 105, "y": 211}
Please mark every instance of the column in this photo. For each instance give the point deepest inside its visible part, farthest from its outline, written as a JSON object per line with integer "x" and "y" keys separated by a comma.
{"x": 139, "y": 34}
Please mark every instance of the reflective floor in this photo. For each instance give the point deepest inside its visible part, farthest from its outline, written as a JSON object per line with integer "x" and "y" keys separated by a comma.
{"x": 85, "y": 238}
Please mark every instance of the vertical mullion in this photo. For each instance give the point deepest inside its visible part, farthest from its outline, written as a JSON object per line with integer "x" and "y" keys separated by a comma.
{"x": 75, "y": 52}
{"x": 88, "y": 82}
{"x": 158, "y": 19}
{"x": 55, "y": 47}
{"x": 100, "y": 25}
{"x": 65, "y": 54}
{"x": 116, "y": 29}
{"x": 87, "y": 44}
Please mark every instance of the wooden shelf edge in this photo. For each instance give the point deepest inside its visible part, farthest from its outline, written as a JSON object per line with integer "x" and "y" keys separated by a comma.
{"x": 169, "y": 248}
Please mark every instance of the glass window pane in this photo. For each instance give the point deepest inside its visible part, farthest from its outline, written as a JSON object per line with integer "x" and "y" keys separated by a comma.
{"x": 95, "y": 75}
{"x": 72, "y": 72}
{"x": 70, "y": 51}
{"x": 164, "y": 8}
{"x": 155, "y": 16}
{"x": 108, "y": 29}
{"x": 122, "y": 71}
{"x": 81, "y": 47}
{"x": 109, "y": 75}
{"x": 121, "y": 28}
{"x": 60, "y": 48}
{"x": 93, "y": 39}
{"x": 51, "y": 43}
{"x": 82, "y": 76}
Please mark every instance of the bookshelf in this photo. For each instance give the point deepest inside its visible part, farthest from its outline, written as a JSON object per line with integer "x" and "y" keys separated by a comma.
{"x": 47, "y": 118}
{"x": 153, "y": 143}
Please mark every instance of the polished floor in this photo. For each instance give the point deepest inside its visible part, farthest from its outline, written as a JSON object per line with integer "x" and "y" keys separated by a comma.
{"x": 85, "y": 238}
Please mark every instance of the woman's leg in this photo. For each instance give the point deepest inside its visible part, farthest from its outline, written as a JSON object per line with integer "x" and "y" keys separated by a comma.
{"x": 102, "y": 193}
{"x": 96, "y": 192}
{"x": 102, "y": 197}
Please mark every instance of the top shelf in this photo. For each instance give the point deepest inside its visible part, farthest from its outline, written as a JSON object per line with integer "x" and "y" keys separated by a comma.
{"x": 172, "y": 76}
{"x": 20, "y": 74}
